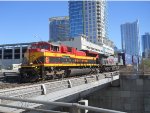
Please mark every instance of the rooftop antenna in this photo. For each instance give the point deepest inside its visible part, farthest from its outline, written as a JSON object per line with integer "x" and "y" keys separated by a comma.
{"x": 36, "y": 36}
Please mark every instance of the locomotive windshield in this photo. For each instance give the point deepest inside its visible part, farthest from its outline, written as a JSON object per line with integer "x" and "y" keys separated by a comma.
{"x": 44, "y": 47}
{"x": 40, "y": 46}
{"x": 54, "y": 48}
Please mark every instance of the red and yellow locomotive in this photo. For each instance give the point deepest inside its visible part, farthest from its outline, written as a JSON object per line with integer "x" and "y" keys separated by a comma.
{"x": 43, "y": 58}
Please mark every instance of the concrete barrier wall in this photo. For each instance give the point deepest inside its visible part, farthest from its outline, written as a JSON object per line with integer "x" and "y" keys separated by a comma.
{"x": 132, "y": 95}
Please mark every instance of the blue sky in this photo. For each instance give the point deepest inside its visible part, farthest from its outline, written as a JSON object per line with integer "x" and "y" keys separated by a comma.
{"x": 120, "y": 12}
{"x": 28, "y": 21}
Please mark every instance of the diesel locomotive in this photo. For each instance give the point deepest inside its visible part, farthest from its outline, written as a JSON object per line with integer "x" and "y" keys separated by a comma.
{"x": 43, "y": 59}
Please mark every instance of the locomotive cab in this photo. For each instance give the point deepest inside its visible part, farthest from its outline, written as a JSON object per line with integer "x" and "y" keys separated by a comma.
{"x": 54, "y": 48}
{"x": 34, "y": 53}
{"x": 40, "y": 46}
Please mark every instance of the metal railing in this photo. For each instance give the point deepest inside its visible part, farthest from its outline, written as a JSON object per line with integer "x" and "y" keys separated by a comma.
{"x": 49, "y": 87}
{"x": 74, "y": 107}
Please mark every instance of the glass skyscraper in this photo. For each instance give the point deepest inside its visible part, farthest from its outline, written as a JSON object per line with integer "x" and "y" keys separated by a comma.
{"x": 88, "y": 18}
{"x": 130, "y": 38}
{"x": 59, "y": 28}
{"x": 145, "y": 42}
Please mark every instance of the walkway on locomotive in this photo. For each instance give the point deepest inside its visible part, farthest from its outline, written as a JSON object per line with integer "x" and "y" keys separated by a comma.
{"x": 47, "y": 54}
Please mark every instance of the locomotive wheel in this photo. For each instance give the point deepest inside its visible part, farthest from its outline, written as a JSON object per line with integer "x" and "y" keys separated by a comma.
{"x": 101, "y": 69}
{"x": 60, "y": 76}
{"x": 51, "y": 77}
{"x": 92, "y": 71}
{"x": 97, "y": 71}
{"x": 67, "y": 73}
{"x": 44, "y": 76}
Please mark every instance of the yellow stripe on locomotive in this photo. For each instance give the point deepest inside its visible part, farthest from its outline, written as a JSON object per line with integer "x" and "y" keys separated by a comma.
{"x": 46, "y": 57}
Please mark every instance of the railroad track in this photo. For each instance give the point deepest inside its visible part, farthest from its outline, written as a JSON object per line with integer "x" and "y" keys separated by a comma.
{"x": 13, "y": 82}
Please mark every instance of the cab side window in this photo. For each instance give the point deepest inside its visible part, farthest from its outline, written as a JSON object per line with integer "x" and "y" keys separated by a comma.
{"x": 54, "y": 48}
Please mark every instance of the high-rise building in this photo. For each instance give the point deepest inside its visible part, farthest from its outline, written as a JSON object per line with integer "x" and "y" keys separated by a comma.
{"x": 130, "y": 38}
{"x": 145, "y": 43}
{"x": 59, "y": 28}
{"x": 88, "y": 18}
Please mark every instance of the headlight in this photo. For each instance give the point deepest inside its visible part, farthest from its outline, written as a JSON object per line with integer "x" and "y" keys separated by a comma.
{"x": 31, "y": 63}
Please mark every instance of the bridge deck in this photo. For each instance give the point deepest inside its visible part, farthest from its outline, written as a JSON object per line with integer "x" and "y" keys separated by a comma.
{"x": 53, "y": 91}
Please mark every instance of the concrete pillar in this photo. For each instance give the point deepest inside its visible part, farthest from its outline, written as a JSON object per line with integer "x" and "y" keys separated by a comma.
{"x": 74, "y": 109}
{"x": 83, "y": 102}
{"x": 20, "y": 52}
{"x": 2, "y": 57}
{"x": 2, "y": 53}
{"x": 13, "y": 53}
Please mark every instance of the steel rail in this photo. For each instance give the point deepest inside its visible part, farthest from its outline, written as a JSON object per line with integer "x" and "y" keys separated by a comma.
{"x": 70, "y": 105}
{"x": 96, "y": 109}
{"x": 37, "y": 101}
{"x": 32, "y": 109}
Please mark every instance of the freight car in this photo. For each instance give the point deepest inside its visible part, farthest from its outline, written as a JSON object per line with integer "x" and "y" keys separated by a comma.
{"x": 42, "y": 59}
{"x": 128, "y": 59}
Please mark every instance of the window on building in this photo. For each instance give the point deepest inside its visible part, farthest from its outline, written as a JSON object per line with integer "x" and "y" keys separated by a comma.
{"x": 7, "y": 53}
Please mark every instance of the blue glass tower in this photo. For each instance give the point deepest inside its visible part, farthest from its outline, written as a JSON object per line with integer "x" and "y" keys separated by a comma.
{"x": 130, "y": 38}
{"x": 76, "y": 18}
{"x": 88, "y": 18}
{"x": 59, "y": 28}
{"x": 145, "y": 43}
